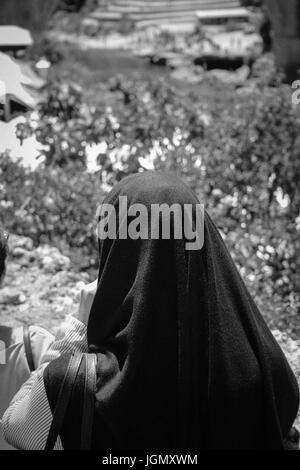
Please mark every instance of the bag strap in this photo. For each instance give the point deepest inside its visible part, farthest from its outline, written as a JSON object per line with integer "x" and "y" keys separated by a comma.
{"x": 63, "y": 400}
{"x": 89, "y": 401}
{"x": 28, "y": 348}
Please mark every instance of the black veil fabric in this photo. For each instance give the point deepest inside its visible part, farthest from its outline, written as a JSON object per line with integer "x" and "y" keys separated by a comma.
{"x": 185, "y": 359}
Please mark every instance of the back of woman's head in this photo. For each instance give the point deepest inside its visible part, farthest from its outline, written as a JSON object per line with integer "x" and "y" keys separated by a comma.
{"x": 3, "y": 252}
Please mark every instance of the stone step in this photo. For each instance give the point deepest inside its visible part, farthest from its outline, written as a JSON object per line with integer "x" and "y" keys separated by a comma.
{"x": 157, "y": 3}
{"x": 146, "y": 11}
{"x": 134, "y": 6}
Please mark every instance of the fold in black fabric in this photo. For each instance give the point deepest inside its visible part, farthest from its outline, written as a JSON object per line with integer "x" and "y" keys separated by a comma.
{"x": 185, "y": 359}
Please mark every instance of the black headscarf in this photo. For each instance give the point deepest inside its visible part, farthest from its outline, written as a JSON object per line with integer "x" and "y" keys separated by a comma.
{"x": 185, "y": 359}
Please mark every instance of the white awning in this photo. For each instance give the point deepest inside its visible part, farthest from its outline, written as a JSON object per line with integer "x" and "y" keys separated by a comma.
{"x": 15, "y": 79}
{"x": 14, "y": 36}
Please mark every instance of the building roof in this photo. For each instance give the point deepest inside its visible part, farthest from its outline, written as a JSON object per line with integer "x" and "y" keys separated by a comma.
{"x": 13, "y": 37}
{"x": 225, "y": 13}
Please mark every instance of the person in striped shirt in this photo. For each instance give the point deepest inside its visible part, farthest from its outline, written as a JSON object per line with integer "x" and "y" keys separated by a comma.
{"x": 17, "y": 362}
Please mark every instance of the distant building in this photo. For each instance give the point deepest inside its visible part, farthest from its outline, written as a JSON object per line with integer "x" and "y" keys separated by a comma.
{"x": 215, "y": 17}
{"x": 168, "y": 14}
{"x": 228, "y": 33}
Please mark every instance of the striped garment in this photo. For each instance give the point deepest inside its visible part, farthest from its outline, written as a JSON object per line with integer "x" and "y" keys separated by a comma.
{"x": 27, "y": 420}
{"x": 15, "y": 371}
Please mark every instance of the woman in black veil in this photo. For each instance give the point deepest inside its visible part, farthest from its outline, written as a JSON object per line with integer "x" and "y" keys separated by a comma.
{"x": 185, "y": 360}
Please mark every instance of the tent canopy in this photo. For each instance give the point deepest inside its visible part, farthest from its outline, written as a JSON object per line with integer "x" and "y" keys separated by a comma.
{"x": 14, "y": 37}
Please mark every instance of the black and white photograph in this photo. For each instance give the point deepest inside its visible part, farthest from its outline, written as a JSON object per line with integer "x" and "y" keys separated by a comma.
{"x": 149, "y": 228}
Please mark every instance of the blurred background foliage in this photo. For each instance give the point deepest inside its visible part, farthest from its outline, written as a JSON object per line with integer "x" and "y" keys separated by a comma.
{"x": 238, "y": 148}
{"x": 242, "y": 161}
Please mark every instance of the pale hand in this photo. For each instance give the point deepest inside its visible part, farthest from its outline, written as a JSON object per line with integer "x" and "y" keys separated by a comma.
{"x": 86, "y": 299}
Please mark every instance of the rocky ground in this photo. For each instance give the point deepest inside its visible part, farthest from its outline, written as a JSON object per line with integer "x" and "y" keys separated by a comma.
{"x": 40, "y": 288}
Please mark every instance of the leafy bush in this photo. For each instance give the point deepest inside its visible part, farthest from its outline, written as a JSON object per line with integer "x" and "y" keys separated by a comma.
{"x": 65, "y": 126}
{"x": 51, "y": 205}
